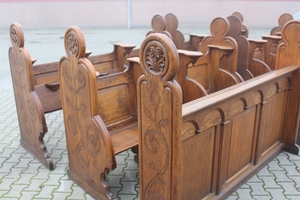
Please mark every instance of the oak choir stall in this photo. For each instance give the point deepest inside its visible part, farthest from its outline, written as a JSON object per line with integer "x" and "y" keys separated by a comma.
{"x": 202, "y": 116}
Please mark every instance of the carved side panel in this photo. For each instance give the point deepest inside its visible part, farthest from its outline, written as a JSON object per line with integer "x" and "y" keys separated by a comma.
{"x": 90, "y": 150}
{"x": 30, "y": 112}
{"x": 159, "y": 103}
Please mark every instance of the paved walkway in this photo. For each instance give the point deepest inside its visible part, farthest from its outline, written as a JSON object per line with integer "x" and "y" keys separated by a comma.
{"x": 23, "y": 177}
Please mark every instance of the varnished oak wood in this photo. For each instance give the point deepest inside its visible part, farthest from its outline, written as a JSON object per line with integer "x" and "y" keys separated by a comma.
{"x": 100, "y": 116}
{"x": 43, "y": 89}
{"x": 207, "y": 148}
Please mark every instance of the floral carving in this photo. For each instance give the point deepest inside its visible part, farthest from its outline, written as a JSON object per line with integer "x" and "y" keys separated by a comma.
{"x": 156, "y": 145}
{"x": 72, "y": 44}
{"x": 72, "y": 125}
{"x": 14, "y": 36}
{"x": 93, "y": 139}
{"x": 155, "y": 59}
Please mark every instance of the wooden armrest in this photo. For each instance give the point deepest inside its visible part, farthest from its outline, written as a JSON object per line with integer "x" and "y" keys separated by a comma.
{"x": 197, "y": 35}
{"x": 87, "y": 54}
{"x": 33, "y": 60}
{"x": 99, "y": 74}
{"x": 128, "y": 47}
{"x": 53, "y": 86}
{"x": 274, "y": 37}
{"x": 134, "y": 59}
{"x": 258, "y": 41}
{"x": 220, "y": 47}
{"x": 193, "y": 55}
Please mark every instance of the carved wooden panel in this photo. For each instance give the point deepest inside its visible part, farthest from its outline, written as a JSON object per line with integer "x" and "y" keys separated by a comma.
{"x": 30, "y": 112}
{"x": 90, "y": 150}
{"x": 159, "y": 100}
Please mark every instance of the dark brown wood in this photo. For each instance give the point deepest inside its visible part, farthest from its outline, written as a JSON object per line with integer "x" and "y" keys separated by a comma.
{"x": 43, "y": 89}
{"x": 100, "y": 116}
{"x": 208, "y": 147}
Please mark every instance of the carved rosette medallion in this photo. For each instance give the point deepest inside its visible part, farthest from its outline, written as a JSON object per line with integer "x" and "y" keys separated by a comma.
{"x": 155, "y": 59}
{"x": 72, "y": 43}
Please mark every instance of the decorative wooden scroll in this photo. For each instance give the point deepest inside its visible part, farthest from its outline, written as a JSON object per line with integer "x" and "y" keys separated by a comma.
{"x": 90, "y": 150}
{"x": 159, "y": 104}
{"x": 30, "y": 111}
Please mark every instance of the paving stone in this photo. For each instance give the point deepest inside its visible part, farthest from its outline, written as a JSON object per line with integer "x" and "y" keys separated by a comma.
{"x": 77, "y": 193}
{"x": 14, "y": 158}
{"x": 244, "y": 194}
{"x": 65, "y": 186}
{"x": 296, "y": 180}
{"x": 54, "y": 179}
{"x": 128, "y": 188}
{"x": 257, "y": 189}
{"x": 114, "y": 181}
{"x": 245, "y": 186}
{"x": 118, "y": 170}
{"x": 283, "y": 160}
{"x": 46, "y": 192}
{"x": 127, "y": 197}
{"x": 27, "y": 195}
{"x": 24, "y": 179}
{"x": 274, "y": 165}
{"x": 281, "y": 176}
{"x": 130, "y": 175}
{"x": 264, "y": 172}
{"x": 35, "y": 185}
{"x": 15, "y": 172}
{"x": 15, "y": 191}
{"x": 232, "y": 198}
{"x": 255, "y": 179}
{"x": 262, "y": 197}
{"x": 293, "y": 157}
{"x": 294, "y": 197}
{"x": 43, "y": 173}
{"x": 289, "y": 188}
{"x": 24, "y": 163}
{"x": 277, "y": 194}
{"x": 6, "y": 183}
{"x": 60, "y": 195}
{"x": 291, "y": 170}
{"x": 269, "y": 182}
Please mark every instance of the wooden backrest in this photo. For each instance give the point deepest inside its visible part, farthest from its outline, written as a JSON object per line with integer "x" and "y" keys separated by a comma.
{"x": 216, "y": 69}
{"x": 288, "y": 52}
{"x": 168, "y": 25}
{"x": 243, "y": 46}
{"x": 244, "y": 30}
{"x": 282, "y": 20}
